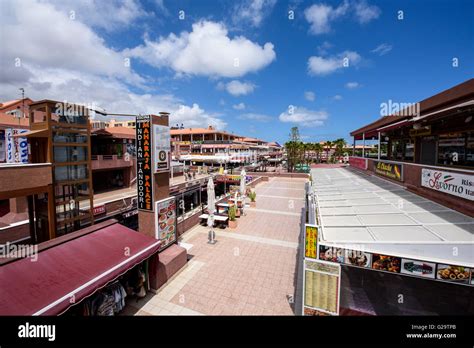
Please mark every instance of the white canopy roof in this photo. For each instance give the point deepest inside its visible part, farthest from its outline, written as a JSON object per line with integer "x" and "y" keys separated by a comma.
{"x": 361, "y": 211}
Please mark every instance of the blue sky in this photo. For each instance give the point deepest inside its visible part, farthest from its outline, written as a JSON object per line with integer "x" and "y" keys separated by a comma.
{"x": 187, "y": 65}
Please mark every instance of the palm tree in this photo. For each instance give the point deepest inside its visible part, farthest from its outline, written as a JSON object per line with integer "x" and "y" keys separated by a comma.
{"x": 340, "y": 144}
{"x": 328, "y": 144}
{"x": 318, "y": 148}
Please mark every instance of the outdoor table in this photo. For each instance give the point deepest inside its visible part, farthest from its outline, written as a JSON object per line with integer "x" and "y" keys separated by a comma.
{"x": 226, "y": 206}
{"x": 217, "y": 218}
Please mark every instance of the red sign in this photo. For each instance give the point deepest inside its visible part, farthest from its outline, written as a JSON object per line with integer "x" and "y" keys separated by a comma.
{"x": 99, "y": 210}
{"x": 358, "y": 162}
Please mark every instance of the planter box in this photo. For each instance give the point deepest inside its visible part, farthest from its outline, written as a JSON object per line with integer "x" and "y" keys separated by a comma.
{"x": 232, "y": 224}
{"x": 253, "y": 204}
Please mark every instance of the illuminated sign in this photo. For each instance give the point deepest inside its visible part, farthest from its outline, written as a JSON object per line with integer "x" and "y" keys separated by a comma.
{"x": 144, "y": 166}
{"x": 162, "y": 148}
{"x": 311, "y": 241}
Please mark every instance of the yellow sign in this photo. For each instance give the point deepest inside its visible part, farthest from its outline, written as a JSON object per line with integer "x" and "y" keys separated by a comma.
{"x": 420, "y": 132}
{"x": 311, "y": 241}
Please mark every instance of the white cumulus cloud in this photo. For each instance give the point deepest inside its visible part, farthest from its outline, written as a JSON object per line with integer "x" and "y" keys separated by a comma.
{"x": 310, "y": 96}
{"x": 365, "y": 12}
{"x": 237, "y": 88}
{"x": 303, "y": 116}
{"x": 252, "y": 12}
{"x": 207, "y": 51}
{"x": 255, "y": 117}
{"x": 320, "y": 16}
{"x": 352, "y": 85}
{"x": 320, "y": 65}
{"x": 240, "y": 106}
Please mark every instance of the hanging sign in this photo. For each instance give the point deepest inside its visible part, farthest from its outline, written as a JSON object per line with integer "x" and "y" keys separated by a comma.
{"x": 162, "y": 148}
{"x": 144, "y": 166}
{"x": 311, "y": 241}
{"x": 16, "y": 147}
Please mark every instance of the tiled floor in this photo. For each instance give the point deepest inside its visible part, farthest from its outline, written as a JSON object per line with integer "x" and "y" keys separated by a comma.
{"x": 251, "y": 270}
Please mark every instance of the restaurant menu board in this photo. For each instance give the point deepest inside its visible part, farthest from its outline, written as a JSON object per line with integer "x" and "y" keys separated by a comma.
{"x": 386, "y": 263}
{"x": 322, "y": 287}
{"x": 456, "y": 184}
{"x": 450, "y": 273}
{"x": 162, "y": 148}
{"x": 166, "y": 222}
{"x": 331, "y": 254}
{"x": 144, "y": 171}
{"x": 390, "y": 170}
{"x": 418, "y": 268}
{"x": 311, "y": 241}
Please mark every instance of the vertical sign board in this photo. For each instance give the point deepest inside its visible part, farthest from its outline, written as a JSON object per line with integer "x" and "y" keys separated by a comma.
{"x": 144, "y": 166}
{"x": 322, "y": 288}
{"x": 311, "y": 241}
{"x": 16, "y": 148}
{"x": 165, "y": 226}
{"x": 162, "y": 148}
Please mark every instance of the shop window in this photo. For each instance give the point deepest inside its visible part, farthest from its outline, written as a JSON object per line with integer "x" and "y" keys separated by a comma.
{"x": 62, "y": 137}
{"x": 409, "y": 150}
{"x": 77, "y": 172}
{"x": 452, "y": 149}
{"x": 70, "y": 153}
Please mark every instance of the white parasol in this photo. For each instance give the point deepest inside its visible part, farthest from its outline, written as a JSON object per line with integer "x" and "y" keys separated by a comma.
{"x": 211, "y": 207}
{"x": 242, "y": 182}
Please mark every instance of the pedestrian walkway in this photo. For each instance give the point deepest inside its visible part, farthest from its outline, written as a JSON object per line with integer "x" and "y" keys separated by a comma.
{"x": 251, "y": 270}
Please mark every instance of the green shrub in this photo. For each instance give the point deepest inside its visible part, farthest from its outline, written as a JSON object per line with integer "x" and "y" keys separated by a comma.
{"x": 232, "y": 213}
{"x": 252, "y": 196}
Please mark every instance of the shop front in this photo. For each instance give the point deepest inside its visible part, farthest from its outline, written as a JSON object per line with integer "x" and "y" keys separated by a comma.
{"x": 431, "y": 152}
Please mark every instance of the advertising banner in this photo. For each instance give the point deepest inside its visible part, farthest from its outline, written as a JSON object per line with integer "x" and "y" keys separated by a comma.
{"x": 460, "y": 185}
{"x": 390, "y": 170}
{"x": 144, "y": 166}
{"x": 418, "y": 268}
{"x": 16, "y": 148}
{"x": 358, "y": 258}
{"x": 322, "y": 285}
{"x": 455, "y": 274}
{"x": 161, "y": 148}
{"x": 358, "y": 162}
{"x": 165, "y": 229}
{"x": 386, "y": 263}
{"x": 311, "y": 241}
{"x": 331, "y": 254}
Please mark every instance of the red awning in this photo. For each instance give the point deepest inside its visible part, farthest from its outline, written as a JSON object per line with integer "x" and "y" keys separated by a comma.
{"x": 74, "y": 269}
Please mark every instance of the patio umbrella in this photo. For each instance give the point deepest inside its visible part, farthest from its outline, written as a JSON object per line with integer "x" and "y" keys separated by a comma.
{"x": 242, "y": 182}
{"x": 211, "y": 207}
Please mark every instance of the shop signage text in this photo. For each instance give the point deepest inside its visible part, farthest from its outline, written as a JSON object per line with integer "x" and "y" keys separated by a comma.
{"x": 162, "y": 148}
{"x": 16, "y": 147}
{"x": 100, "y": 209}
{"x": 358, "y": 162}
{"x": 390, "y": 170}
{"x": 144, "y": 155}
{"x": 460, "y": 185}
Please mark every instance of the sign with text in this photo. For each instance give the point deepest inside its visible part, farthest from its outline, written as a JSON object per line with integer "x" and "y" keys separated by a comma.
{"x": 165, "y": 226}
{"x": 161, "y": 148}
{"x": 16, "y": 147}
{"x": 358, "y": 162}
{"x": 144, "y": 166}
{"x": 322, "y": 286}
{"x": 311, "y": 241}
{"x": 390, "y": 170}
{"x": 460, "y": 185}
{"x": 98, "y": 209}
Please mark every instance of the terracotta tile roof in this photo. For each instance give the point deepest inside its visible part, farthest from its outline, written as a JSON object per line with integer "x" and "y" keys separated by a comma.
{"x": 119, "y": 132}
{"x": 187, "y": 131}
{"x": 13, "y": 102}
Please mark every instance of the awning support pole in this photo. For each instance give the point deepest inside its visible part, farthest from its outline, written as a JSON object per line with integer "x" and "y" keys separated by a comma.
{"x": 354, "y": 146}
{"x": 378, "y": 156}
{"x": 363, "y": 145}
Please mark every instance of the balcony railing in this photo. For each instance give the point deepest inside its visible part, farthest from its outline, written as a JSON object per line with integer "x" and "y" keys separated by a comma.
{"x": 110, "y": 161}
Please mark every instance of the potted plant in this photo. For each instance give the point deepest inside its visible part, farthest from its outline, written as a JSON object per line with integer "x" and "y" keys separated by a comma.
{"x": 253, "y": 196}
{"x": 232, "y": 219}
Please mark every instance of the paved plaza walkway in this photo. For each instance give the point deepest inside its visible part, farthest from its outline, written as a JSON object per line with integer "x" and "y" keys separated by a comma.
{"x": 251, "y": 270}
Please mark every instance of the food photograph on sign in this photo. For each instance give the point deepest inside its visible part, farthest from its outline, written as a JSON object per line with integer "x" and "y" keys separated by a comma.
{"x": 166, "y": 211}
{"x": 386, "y": 263}
{"x": 450, "y": 273}
{"x": 358, "y": 258}
{"x": 418, "y": 268}
{"x": 332, "y": 254}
